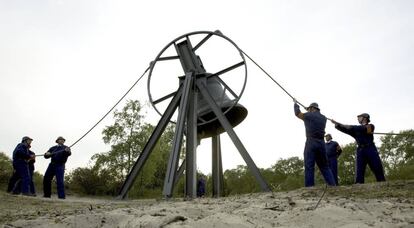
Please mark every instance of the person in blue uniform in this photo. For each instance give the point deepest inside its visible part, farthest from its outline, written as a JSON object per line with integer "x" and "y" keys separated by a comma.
{"x": 315, "y": 151}
{"x": 201, "y": 187}
{"x": 14, "y": 179}
{"x": 366, "y": 153}
{"x": 30, "y": 163}
{"x": 21, "y": 156}
{"x": 11, "y": 187}
{"x": 15, "y": 182}
{"x": 59, "y": 155}
{"x": 333, "y": 150}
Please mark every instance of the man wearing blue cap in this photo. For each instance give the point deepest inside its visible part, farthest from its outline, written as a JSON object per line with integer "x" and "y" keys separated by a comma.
{"x": 315, "y": 150}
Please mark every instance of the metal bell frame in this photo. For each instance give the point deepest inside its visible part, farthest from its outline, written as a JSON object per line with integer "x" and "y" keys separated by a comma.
{"x": 192, "y": 85}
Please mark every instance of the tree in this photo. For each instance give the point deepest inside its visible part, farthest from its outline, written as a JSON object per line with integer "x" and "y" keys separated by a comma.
{"x": 397, "y": 153}
{"x": 129, "y": 134}
{"x": 238, "y": 181}
{"x": 289, "y": 173}
{"x": 91, "y": 182}
{"x": 6, "y": 169}
{"x": 127, "y": 137}
{"x": 346, "y": 164}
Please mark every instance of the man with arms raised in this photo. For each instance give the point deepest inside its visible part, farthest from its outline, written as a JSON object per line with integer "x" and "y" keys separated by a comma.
{"x": 315, "y": 150}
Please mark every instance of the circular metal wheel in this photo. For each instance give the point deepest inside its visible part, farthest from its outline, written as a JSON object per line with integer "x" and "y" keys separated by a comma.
{"x": 170, "y": 56}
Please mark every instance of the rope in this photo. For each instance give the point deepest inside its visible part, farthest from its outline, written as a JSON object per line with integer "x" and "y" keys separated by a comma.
{"x": 326, "y": 186}
{"x": 272, "y": 78}
{"x": 403, "y": 134}
{"x": 103, "y": 117}
{"x": 377, "y": 133}
{"x": 320, "y": 199}
{"x": 110, "y": 110}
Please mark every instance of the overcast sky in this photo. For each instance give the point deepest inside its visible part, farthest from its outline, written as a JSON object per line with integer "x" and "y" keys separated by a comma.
{"x": 63, "y": 64}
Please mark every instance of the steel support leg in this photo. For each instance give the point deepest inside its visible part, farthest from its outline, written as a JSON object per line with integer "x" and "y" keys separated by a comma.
{"x": 232, "y": 134}
{"x": 149, "y": 146}
{"x": 179, "y": 173}
{"x": 217, "y": 170}
{"x": 191, "y": 147}
{"x": 178, "y": 136}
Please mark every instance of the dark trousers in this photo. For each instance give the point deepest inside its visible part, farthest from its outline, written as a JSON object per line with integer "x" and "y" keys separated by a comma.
{"x": 22, "y": 172}
{"x": 368, "y": 156}
{"x": 12, "y": 182}
{"x": 32, "y": 186}
{"x": 201, "y": 189}
{"x": 53, "y": 170}
{"x": 315, "y": 152}
{"x": 15, "y": 183}
{"x": 333, "y": 163}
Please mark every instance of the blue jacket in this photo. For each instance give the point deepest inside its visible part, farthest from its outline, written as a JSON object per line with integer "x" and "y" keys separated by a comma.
{"x": 332, "y": 149}
{"x": 21, "y": 152}
{"x": 31, "y": 161}
{"x": 363, "y": 134}
{"x": 59, "y": 155}
{"x": 315, "y": 123}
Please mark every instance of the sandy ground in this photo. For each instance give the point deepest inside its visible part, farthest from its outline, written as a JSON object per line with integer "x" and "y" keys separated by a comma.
{"x": 370, "y": 205}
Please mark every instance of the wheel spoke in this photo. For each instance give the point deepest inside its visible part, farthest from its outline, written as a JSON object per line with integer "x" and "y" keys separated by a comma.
{"x": 228, "y": 69}
{"x": 201, "y": 119}
{"x": 165, "y": 97}
{"x": 227, "y": 87}
{"x": 202, "y": 41}
{"x": 168, "y": 58}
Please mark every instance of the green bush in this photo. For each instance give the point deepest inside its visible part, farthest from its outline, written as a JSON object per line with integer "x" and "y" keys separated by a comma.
{"x": 6, "y": 170}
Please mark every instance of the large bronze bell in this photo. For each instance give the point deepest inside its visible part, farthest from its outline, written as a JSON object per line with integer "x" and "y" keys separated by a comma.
{"x": 206, "y": 126}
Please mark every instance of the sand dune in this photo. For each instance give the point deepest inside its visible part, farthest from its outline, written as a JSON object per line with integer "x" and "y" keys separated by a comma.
{"x": 370, "y": 205}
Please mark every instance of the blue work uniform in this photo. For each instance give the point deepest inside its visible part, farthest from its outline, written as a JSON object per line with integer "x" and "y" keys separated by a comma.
{"x": 21, "y": 155}
{"x": 31, "y": 172}
{"x": 11, "y": 188}
{"x": 315, "y": 150}
{"x": 201, "y": 187}
{"x": 366, "y": 152}
{"x": 16, "y": 183}
{"x": 333, "y": 151}
{"x": 56, "y": 168}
